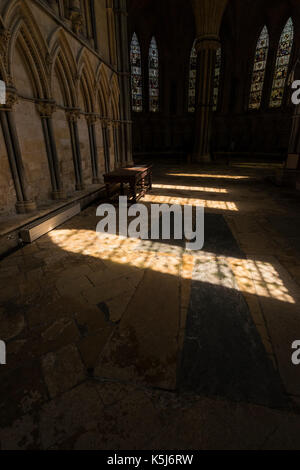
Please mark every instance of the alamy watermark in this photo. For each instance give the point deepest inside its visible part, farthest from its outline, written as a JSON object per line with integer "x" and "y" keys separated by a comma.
{"x": 154, "y": 222}
{"x": 296, "y": 93}
{"x": 296, "y": 354}
{"x": 2, "y": 353}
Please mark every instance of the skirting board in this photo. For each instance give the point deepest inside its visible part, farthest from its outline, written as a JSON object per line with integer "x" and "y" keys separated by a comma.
{"x": 39, "y": 228}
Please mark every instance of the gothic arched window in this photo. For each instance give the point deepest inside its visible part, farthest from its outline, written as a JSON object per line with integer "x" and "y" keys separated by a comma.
{"x": 217, "y": 77}
{"x": 136, "y": 75}
{"x": 153, "y": 77}
{"x": 282, "y": 64}
{"x": 259, "y": 69}
{"x": 192, "y": 80}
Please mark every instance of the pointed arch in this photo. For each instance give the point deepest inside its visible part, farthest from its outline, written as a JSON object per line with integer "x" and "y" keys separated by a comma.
{"x": 64, "y": 65}
{"x": 115, "y": 96}
{"x": 25, "y": 35}
{"x": 86, "y": 81}
{"x": 136, "y": 75}
{"x": 217, "y": 75}
{"x": 103, "y": 91}
{"x": 282, "y": 64}
{"x": 259, "y": 69}
{"x": 192, "y": 79}
{"x": 153, "y": 65}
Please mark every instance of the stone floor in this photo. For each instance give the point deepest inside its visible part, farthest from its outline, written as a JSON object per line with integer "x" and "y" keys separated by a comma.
{"x": 116, "y": 343}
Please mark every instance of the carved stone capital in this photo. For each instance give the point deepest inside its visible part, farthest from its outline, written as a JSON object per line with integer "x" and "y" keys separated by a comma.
{"x": 11, "y": 99}
{"x": 207, "y": 42}
{"x": 46, "y": 108}
{"x": 91, "y": 119}
{"x": 73, "y": 115}
{"x": 105, "y": 122}
{"x": 115, "y": 124}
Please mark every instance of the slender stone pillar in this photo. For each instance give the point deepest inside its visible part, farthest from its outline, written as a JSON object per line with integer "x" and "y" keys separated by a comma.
{"x": 293, "y": 159}
{"x": 46, "y": 109}
{"x": 208, "y": 17}
{"x": 72, "y": 116}
{"x": 120, "y": 10}
{"x": 116, "y": 134}
{"x": 105, "y": 133}
{"x": 206, "y": 48}
{"x": 24, "y": 204}
{"x": 91, "y": 121}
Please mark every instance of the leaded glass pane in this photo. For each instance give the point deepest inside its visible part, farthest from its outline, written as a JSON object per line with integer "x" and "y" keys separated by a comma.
{"x": 136, "y": 75}
{"x": 153, "y": 77}
{"x": 192, "y": 80}
{"x": 217, "y": 78}
{"x": 259, "y": 69}
{"x": 282, "y": 64}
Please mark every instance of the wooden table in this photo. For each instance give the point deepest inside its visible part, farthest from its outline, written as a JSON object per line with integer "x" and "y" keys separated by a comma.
{"x": 139, "y": 179}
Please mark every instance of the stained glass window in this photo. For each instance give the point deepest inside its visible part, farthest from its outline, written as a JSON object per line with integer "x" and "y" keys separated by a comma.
{"x": 217, "y": 77}
{"x": 282, "y": 64}
{"x": 153, "y": 77}
{"x": 192, "y": 80}
{"x": 259, "y": 70}
{"x": 136, "y": 75}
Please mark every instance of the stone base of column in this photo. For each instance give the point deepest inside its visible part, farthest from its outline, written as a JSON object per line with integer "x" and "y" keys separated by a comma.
{"x": 25, "y": 206}
{"x": 202, "y": 158}
{"x": 288, "y": 178}
{"x": 59, "y": 195}
{"x": 96, "y": 181}
{"x": 80, "y": 187}
{"x": 292, "y": 162}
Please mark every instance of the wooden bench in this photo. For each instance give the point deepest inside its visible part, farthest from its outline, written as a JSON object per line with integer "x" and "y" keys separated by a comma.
{"x": 139, "y": 179}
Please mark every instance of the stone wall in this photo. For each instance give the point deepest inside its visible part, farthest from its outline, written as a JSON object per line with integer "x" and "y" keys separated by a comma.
{"x": 60, "y": 69}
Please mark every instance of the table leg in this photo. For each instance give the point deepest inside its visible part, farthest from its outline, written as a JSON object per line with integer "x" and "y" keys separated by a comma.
{"x": 133, "y": 192}
{"x": 107, "y": 191}
{"x": 150, "y": 180}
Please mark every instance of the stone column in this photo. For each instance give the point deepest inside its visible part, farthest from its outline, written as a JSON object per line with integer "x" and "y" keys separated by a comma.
{"x": 91, "y": 121}
{"x": 116, "y": 134}
{"x": 120, "y": 10}
{"x": 24, "y": 204}
{"x": 72, "y": 116}
{"x": 293, "y": 159}
{"x": 208, "y": 17}
{"x": 46, "y": 109}
{"x": 206, "y": 48}
{"x": 105, "y": 133}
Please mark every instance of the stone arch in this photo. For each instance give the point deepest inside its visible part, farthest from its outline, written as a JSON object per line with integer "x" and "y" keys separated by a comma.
{"x": 63, "y": 64}
{"x": 115, "y": 96}
{"x": 25, "y": 35}
{"x": 103, "y": 91}
{"x": 86, "y": 81}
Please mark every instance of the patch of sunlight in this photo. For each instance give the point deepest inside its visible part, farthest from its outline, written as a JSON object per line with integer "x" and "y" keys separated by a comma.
{"x": 202, "y": 175}
{"x": 190, "y": 188}
{"x": 221, "y": 205}
{"x": 245, "y": 275}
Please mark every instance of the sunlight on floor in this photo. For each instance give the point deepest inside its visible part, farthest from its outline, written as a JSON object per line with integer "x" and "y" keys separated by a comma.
{"x": 202, "y": 175}
{"x": 186, "y": 201}
{"x": 249, "y": 276}
{"x": 190, "y": 188}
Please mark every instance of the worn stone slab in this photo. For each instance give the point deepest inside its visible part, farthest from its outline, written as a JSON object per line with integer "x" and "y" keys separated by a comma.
{"x": 144, "y": 348}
